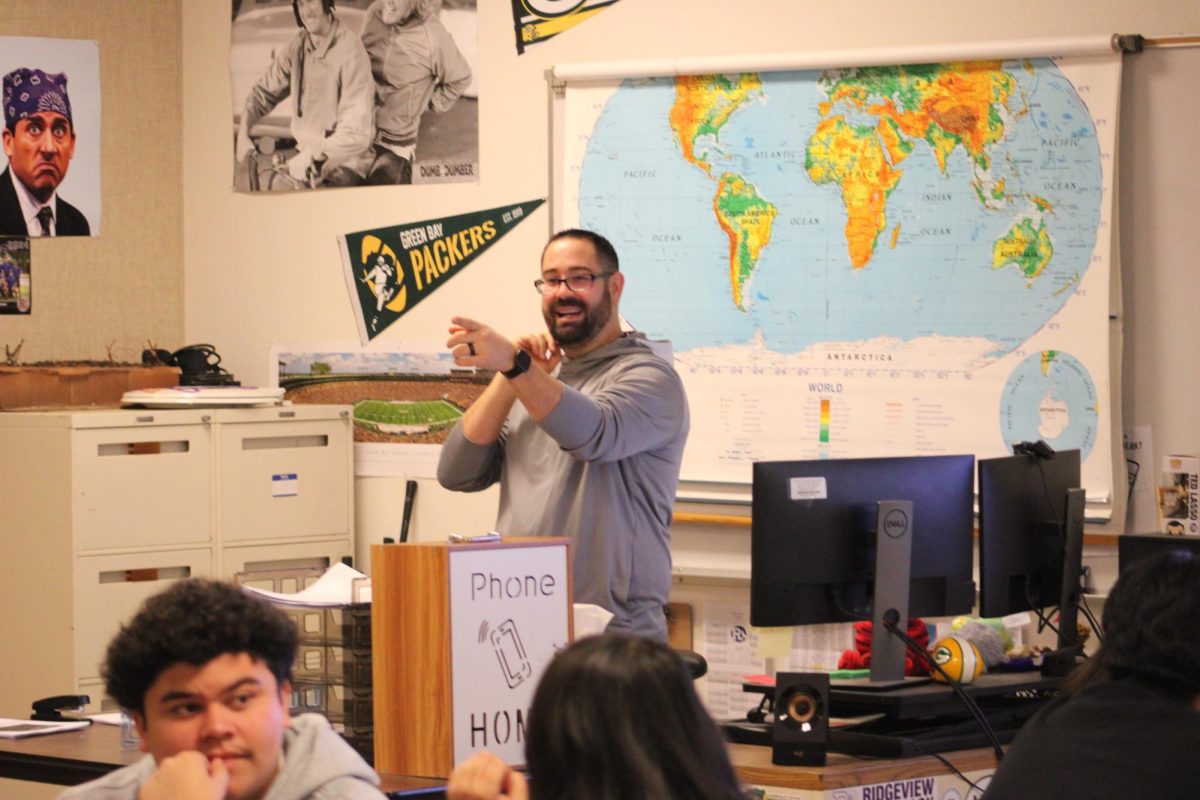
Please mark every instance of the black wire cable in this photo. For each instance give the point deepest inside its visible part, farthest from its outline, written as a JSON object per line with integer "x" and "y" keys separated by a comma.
{"x": 1097, "y": 628}
{"x": 957, "y": 772}
{"x": 889, "y": 622}
{"x": 1043, "y": 620}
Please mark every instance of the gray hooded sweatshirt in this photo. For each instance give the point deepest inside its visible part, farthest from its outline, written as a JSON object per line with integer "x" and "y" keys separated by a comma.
{"x": 317, "y": 765}
{"x": 602, "y": 468}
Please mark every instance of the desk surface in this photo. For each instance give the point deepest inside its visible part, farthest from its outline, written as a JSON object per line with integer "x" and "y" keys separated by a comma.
{"x": 67, "y": 758}
{"x": 75, "y": 757}
{"x": 753, "y": 764}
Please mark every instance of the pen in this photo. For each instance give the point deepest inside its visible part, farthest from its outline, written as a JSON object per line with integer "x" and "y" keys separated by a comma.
{"x": 410, "y": 494}
{"x": 490, "y": 536}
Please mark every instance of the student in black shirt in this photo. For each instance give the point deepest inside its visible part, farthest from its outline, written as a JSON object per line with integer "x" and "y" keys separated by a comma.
{"x": 1128, "y": 722}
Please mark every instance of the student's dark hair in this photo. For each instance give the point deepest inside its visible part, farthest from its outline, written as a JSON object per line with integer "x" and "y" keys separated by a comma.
{"x": 605, "y": 252}
{"x": 616, "y": 718}
{"x": 193, "y": 622}
{"x": 326, "y": 6}
{"x": 1152, "y": 627}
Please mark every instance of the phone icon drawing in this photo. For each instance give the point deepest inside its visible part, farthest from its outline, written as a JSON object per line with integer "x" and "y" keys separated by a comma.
{"x": 510, "y": 652}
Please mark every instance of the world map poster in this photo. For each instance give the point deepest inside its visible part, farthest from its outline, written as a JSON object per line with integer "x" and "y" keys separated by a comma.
{"x": 865, "y": 261}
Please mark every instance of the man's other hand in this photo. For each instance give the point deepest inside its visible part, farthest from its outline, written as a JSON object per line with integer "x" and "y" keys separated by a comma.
{"x": 541, "y": 346}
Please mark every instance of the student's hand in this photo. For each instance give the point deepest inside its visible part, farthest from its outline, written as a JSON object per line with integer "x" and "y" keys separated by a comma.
{"x": 484, "y": 776}
{"x": 187, "y": 776}
{"x": 542, "y": 347}
{"x": 476, "y": 345}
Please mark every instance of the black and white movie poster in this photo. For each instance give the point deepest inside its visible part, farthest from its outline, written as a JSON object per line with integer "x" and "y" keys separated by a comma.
{"x": 330, "y": 93}
{"x": 50, "y": 170}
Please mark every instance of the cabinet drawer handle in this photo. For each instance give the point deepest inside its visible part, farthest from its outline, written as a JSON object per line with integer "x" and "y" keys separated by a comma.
{"x": 142, "y": 448}
{"x": 144, "y": 574}
{"x": 282, "y": 442}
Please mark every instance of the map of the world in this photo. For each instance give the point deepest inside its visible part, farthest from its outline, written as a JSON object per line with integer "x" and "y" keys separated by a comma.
{"x": 881, "y": 245}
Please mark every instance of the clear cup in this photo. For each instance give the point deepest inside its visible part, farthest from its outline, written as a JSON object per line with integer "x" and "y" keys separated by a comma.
{"x": 129, "y": 737}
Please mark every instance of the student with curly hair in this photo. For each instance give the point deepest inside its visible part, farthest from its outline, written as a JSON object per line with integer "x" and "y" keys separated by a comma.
{"x": 615, "y": 717}
{"x": 1128, "y": 722}
{"x": 205, "y": 671}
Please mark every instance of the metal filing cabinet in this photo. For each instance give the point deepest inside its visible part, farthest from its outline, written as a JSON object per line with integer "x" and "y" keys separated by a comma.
{"x": 101, "y": 509}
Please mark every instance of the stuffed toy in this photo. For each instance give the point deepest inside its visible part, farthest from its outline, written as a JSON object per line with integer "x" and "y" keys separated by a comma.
{"x": 992, "y": 640}
{"x": 860, "y": 656}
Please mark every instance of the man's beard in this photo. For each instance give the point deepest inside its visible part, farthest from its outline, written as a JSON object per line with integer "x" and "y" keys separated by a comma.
{"x": 591, "y": 322}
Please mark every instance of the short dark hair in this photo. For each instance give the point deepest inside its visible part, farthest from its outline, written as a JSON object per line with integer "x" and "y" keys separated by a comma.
{"x": 326, "y": 6}
{"x": 1152, "y": 627}
{"x": 616, "y": 717}
{"x": 606, "y": 254}
{"x": 193, "y": 622}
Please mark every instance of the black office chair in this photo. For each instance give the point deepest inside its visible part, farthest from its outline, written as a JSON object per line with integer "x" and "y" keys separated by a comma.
{"x": 696, "y": 664}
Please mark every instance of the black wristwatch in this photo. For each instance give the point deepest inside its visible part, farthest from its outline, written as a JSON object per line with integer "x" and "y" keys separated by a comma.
{"x": 521, "y": 362}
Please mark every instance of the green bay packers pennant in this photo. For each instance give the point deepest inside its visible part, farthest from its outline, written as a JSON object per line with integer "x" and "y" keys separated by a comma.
{"x": 390, "y": 270}
{"x": 538, "y": 20}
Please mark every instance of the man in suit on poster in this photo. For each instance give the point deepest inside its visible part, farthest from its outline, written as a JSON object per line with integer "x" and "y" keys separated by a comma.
{"x": 39, "y": 141}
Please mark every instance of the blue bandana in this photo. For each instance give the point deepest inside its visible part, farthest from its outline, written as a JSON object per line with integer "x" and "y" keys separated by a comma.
{"x": 32, "y": 91}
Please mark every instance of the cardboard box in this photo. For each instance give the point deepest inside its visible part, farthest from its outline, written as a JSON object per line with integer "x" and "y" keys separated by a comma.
{"x": 1179, "y": 495}
{"x": 39, "y": 388}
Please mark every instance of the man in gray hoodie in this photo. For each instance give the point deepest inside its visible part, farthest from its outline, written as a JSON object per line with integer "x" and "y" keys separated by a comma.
{"x": 584, "y": 427}
{"x": 205, "y": 671}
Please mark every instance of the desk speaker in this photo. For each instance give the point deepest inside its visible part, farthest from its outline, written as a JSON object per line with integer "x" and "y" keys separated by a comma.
{"x": 801, "y": 731}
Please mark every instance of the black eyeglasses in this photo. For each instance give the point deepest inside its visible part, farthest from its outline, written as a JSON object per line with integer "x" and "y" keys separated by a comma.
{"x": 576, "y": 283}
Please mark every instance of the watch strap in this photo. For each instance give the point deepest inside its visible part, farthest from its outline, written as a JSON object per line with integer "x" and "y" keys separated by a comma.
{"x": 521, "y": 362}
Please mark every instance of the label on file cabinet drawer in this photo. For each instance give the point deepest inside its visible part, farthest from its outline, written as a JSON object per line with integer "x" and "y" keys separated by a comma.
{"x": 285, "y": 484}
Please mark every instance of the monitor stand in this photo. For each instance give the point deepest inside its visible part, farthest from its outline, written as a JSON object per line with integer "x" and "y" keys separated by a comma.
{"x": 1066, "y": 656}
{"x": 893, "y": 566}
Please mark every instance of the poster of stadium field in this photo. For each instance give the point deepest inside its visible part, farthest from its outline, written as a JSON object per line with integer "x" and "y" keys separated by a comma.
{"x": 389, "y": 270}
{"x": 405, "y": 399}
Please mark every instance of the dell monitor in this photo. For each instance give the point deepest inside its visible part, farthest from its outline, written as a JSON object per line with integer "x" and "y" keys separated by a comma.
{"x": 1031, "y": 537}
{"x": 821, "y": 532}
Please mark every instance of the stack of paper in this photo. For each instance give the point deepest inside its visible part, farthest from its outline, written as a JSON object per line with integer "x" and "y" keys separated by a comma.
{"x": 334, "y": 588}
{"x": 20, "y": 728}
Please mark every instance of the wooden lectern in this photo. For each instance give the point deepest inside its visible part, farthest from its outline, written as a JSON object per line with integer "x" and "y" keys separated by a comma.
{"x": 460, "y": 634}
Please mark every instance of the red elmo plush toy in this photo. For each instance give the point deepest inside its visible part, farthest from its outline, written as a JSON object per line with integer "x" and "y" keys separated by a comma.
{"x": 860, "y": 656}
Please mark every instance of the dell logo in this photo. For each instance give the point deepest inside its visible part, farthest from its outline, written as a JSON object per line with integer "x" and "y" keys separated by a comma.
{"x": 895, "y": 524}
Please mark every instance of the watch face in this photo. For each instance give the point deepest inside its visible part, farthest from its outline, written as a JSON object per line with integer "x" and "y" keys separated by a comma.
{"x": 521, "y": 362}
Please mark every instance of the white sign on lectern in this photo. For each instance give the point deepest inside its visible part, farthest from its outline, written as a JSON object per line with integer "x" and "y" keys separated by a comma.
{"x": 508, "y": 612}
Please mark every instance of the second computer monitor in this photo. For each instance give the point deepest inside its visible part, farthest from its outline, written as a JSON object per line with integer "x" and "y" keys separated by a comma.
{"x": 1022, "y": 530}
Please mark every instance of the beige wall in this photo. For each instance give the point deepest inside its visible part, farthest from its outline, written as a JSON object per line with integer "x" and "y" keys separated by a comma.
{"x": 262, "y": 269}
{"x": 123, "y": 288}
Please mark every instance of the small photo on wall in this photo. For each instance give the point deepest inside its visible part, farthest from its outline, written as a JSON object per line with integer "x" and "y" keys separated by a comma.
{"x": 16, "y": 286}
{"x": 50, "y": 184}
{"x": 333, "y": 93}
